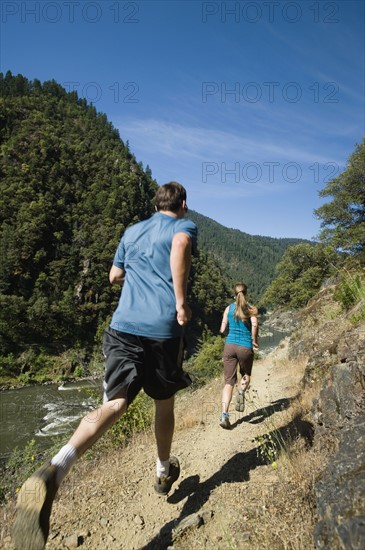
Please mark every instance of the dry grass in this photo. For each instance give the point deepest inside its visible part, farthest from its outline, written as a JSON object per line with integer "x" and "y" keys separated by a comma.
{"x": 288, "y": 520}
{"x": 193, "y": 408}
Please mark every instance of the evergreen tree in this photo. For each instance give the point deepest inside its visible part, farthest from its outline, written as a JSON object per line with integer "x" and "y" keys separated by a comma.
{"x": 343, "y": 219}
{"x": 300, "y": 274}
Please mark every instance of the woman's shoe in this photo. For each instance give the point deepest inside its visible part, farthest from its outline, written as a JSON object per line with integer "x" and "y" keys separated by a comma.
{"x": 224, "y": 421}
{"x": 240, "y": 401}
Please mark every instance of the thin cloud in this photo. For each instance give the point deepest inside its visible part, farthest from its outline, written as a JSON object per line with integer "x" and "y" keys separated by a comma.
{"x": 206, "y": 144}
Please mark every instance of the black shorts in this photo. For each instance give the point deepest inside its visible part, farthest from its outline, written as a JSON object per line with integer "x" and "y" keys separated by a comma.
{"x": 134, "y": 362}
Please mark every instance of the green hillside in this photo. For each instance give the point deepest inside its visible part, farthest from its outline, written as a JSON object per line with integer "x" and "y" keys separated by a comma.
{"x": 242, "y": 257}
{"x": 69, "y": 188}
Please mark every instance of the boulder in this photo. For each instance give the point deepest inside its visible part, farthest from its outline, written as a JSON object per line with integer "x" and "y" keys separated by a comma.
{"x": 340, "y": 494}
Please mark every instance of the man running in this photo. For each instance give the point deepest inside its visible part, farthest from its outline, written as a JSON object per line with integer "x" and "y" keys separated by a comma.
{"x": 143, "y": 348}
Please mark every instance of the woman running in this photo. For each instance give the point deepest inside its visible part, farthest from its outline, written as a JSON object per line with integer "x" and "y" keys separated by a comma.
{"x": 241, "y": 318}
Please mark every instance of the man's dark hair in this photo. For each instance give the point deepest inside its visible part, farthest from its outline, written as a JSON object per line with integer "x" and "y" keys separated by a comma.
{"x": 170, "y": 196}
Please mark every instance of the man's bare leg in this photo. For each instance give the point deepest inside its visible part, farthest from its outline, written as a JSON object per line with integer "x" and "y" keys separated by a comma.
{"x": 167, "y": 467}
{"x": 96, "y": 423}
{"x": 35, "y": 498}
{"x": 164, "y": 426}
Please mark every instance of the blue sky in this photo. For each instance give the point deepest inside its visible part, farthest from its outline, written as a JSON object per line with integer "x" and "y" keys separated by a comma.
{"x": 253, "y": 106}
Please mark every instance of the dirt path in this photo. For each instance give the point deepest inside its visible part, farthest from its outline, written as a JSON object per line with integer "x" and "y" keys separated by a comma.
{"x": 110, "y": 503}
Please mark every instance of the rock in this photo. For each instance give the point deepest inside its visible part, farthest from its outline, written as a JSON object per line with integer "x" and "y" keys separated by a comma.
{"x": 104, "y": 522}
{"x": 243, "y": 537}
{"x": 341, "y": 494}
{"x": 207, "y": 515}
{"x": 282, "y": 320}
{"x": 138, "y": 520}
{"x": 73, "y": 541}
{"x": 190, "y": 522}
{"x": 342, "y": 396}
{"x": 352, "y": 345}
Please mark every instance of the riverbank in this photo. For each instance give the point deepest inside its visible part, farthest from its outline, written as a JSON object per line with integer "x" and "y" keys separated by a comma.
{"x": 41, "y": 370}
{"x": 56, "y": 380}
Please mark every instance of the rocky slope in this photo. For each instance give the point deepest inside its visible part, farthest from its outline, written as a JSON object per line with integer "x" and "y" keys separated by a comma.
{"x": 335, "y": 349}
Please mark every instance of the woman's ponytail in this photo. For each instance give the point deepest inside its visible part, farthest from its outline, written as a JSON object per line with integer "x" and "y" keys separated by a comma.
{"x": 243, "y": 310}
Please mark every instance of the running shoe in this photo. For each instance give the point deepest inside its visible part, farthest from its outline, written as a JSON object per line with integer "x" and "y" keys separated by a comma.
{"x": 240, "y": 401}
{"x": 224, "y": 421}
{"x": 33, "y": 509}
{"x": 163, "y": 484}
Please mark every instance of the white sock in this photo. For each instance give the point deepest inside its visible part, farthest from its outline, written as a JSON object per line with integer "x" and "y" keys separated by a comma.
{"x": 64, "y": 460}
{"x": 162, "y": 467}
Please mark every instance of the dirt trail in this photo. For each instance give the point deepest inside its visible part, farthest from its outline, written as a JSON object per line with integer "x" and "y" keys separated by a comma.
{"x": 110, "y": 502}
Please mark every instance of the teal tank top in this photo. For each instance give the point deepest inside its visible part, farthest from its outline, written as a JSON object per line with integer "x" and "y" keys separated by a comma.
{"x": 239, "y": 332}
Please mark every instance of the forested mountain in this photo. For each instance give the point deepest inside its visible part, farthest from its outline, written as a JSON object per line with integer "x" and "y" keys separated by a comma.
{"x": 242, "y": 257}
{"x": 69, "y": 188}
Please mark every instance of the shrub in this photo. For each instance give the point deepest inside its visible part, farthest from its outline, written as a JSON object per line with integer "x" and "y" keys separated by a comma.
{"x": 8, "y": 366}
{"x": 208, "y": 362}
{"x": 351, "y": 289}
{"x": 19, "y": 466}
{"x": 137, "y": 418}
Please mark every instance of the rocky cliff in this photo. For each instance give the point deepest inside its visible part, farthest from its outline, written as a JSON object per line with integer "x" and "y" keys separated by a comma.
{"x": 334, "y": 344}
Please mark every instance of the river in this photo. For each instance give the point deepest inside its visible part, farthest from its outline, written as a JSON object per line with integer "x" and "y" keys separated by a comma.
{"x": 42, "y": 411}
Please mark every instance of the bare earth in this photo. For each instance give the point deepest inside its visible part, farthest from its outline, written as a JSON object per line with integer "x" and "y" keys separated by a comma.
{"x": 109, "y": 502}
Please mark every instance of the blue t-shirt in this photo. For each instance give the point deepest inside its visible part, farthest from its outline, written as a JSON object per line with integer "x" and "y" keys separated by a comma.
{"x": 239, "y": 332}
{"x": 147, "y": 305}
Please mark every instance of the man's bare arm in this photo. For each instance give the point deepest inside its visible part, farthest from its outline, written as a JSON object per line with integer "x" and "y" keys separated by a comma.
{"x": 116, "y": 275}
{"x": 180, "y": 261}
